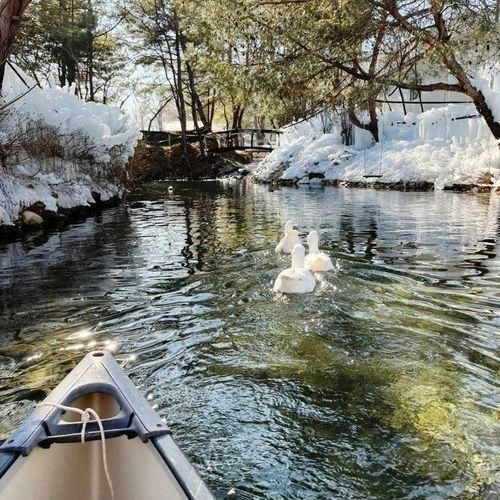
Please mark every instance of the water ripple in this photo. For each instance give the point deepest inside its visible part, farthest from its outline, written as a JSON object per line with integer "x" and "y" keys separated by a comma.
{"x": 380, "y": 384}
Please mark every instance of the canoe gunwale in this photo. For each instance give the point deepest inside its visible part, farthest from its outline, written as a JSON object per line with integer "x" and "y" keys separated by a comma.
{"x": 187, "y": 476}
{"x": 7, "y": 459}
{"x": 98, "y": 373}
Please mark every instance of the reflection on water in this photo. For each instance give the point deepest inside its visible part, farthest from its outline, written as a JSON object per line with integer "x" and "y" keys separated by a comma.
{"x": 379, "y": 384}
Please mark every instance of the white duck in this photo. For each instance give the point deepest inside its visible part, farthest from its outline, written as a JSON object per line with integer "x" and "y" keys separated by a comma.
{"x": 316, "y": 260}
{"x": 295, "y": 279}
{"x": 290, "y": 239}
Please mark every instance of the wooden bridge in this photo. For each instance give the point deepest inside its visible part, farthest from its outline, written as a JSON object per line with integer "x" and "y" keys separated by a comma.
{"x": 251, "y": 139}
{"x": 242, "y": 139}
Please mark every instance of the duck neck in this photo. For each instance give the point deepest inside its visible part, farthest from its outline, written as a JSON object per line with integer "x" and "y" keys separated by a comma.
{"x": 297, "y": 260}
{"x": 313, "y": 243}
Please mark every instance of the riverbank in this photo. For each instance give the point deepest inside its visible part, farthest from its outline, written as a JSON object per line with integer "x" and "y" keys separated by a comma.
{"x": 156, "y": 162}
{"x": 55, "y": 220}
{"x": 60, "y": 156}
{"x": 418, "y": 186}
{"x": 437, "y": 149}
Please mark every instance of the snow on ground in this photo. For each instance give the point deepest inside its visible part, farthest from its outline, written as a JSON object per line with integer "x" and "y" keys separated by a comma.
{"x": 57, "y": 148}
{"x": 438, "y": 146}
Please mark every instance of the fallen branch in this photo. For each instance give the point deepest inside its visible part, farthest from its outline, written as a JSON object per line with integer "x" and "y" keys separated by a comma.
{"x": 5, "y": 106}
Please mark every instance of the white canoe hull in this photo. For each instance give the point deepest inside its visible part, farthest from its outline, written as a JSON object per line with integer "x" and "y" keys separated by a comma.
{"x": 46, "y": 460}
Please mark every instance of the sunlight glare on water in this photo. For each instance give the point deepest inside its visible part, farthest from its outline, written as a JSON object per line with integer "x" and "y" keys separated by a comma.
{"x": 379, "y": 384}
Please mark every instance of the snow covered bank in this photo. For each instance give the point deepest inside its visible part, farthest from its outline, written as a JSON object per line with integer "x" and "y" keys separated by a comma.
{"x": 58, "y": 150}
{"x": 445, "y": 147}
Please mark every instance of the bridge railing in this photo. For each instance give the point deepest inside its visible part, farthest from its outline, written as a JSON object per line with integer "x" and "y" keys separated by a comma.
{"x": 241, "y": 139}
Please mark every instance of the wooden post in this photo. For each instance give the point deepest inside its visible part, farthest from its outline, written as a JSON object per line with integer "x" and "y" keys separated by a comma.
{"x": 402, "y": 100}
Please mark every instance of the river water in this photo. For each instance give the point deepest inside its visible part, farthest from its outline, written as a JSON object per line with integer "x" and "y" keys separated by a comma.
{"x": 380, "y": 384}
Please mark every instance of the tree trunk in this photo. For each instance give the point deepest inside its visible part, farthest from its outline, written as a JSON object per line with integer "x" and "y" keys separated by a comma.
{"x": 485, "y": 112}
{"x": 224, "y": 111}
{"x": 240, "y": 118}
{"x": 11, "y": 14}
{"x": 211, "y": 109}
{"x": 477, "y": 96}
{"x": 157, "y": 113}
{"x": 62, "y": 72}
{"x": 442, "y": 48}
{"x": 60, "y": 53}
{"x": 90, "y": 67}
{"x": 90, "y": 55}
{"x": 236, "y": 113}
{"x": 196, "y": 109}
{"x": 180, "y": 92}
{"x": 196, "y": 102}
{"x": 372, "y": 125}
{"x": 71, "y": 65}
{"x": 197, "y": 128}
{"x": 465, "y": 87}
{"x": 197, "y": 106}
{"x": 204, "y": 117}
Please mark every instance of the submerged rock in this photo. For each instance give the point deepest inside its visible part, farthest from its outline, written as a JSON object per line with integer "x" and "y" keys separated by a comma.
{"x": 30, "y": 218}
{"x": 137, "y": 204}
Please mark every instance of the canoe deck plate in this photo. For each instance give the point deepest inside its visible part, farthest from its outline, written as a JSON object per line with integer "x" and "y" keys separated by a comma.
{"x": 98, "y": 372}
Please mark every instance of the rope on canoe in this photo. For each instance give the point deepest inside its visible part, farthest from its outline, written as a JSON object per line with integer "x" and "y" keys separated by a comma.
{"x": 85, "y": 416}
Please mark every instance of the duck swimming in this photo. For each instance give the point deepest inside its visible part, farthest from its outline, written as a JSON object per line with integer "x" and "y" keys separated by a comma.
{"x": 290, "y": 239}
{"x": 295, "y": 279}
{"x": 315, "y": 260}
